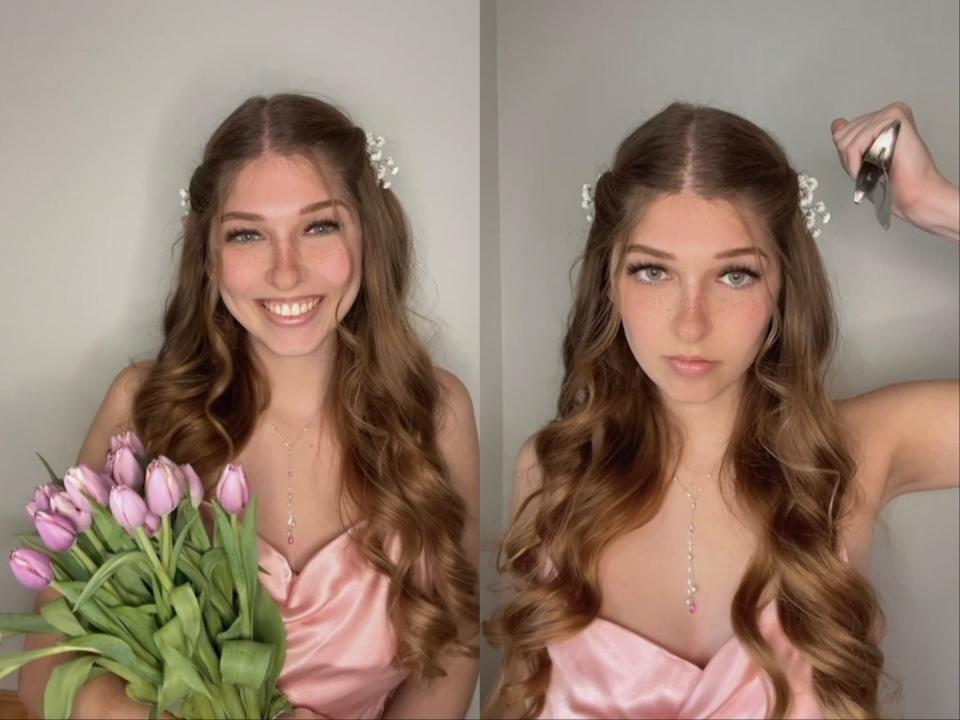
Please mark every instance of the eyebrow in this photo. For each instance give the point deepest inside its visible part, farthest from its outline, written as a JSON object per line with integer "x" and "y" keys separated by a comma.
{"x": 636, "y": 247}
{"x": 303, "y": 211}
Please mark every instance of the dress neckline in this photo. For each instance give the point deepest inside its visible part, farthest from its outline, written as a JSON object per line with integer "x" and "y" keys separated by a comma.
{"x": 335, "y": 540}
{"x": 657, "y": 647}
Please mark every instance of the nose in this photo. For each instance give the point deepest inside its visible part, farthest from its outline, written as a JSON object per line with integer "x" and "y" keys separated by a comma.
{"x": 691, "y": 320}
{"x": 285, "y": 266}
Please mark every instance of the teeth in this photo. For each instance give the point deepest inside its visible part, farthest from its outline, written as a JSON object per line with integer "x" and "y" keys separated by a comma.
{"x": 294, "y": 310}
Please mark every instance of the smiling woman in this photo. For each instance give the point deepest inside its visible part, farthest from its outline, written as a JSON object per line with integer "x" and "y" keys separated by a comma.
{"x": 288, "y": 348}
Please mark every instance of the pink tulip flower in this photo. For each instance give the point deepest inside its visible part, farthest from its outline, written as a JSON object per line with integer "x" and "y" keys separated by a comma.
{"x": 129, "y": 440}
{"x": 63, "y": 504}
{"x": 151, "y": 523}
{"x": 126, "y": 468}
{"x": 127, "y": 507}
{"x": 81, "y": 481}
{"x": 164, "y": 486}
{"x": 57, "y": 532}
{"x": 233, "y": 490}
{"x": 32, "y": 568}
{"x": 194, "y": 485}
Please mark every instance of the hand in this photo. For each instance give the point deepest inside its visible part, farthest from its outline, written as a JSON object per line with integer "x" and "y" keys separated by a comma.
{"x": 914, "y": 177}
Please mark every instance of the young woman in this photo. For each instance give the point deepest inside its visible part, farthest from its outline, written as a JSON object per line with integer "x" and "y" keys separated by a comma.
{"x": 288, "y": 349}
{"x": 691, "y": 531}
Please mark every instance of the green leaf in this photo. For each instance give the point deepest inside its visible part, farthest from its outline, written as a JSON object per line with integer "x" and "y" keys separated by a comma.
{"x": 139, "y": 623}
{"x": 14, "y": 623}
{"x": 141, "y": 693}
{"x": 63, "y": 684}
{"x": 105, "y": 571}
{"x": 178, "y": 546}
{"x": 113, "y": 535}
{"x": 118, "y": 650}
{"x": 249, "y": 549}
{"x": 128, "y": 674}
{"x": 278, "y": 704}
{"x": 172, "y": 691}
{"x": 9, "y": 663}
{"x": 170, "y": 640}
{"x": 92, "y": 612}
{"x": 58, "y": 614}
{"x": 246, "y": 663}
{"x": 215, "y": 566}
{"x": 231, "y": 546}
{"x": 188, "y": 611}
{"x": 234, "y": 632}
{"x": 54, "y": 478}
{"x": 268, "y": 628}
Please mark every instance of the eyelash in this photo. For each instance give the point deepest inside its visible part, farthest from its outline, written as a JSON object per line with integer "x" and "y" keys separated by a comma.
{"x": 743, "y": 269}
{"x": 239, "y": 232}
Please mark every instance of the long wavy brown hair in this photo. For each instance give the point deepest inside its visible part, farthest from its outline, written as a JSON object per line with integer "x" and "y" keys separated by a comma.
{"x": 605, "y": 457}
{"x": 200, "y": 400}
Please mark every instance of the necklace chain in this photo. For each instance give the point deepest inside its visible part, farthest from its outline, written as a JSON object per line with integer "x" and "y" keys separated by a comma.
{"x": 291, "y": 519}
{"x": 692, "y": 586}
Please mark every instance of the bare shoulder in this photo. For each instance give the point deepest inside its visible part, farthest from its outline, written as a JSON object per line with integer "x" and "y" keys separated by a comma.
{"x": 457, "y": 432}
{"x": 455, "y": 405}
{"x": 528, "y": 475}
{"x": 115, "y": 414}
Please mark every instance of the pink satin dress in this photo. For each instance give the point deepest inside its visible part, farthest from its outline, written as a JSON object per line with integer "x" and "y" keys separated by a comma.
{"x": 340, "y": 642}
{"x": 608, "y": 671}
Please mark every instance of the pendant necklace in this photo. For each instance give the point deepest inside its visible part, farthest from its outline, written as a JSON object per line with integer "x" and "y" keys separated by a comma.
{"x": 291, "y": 520}
{"x": 691, "y": 576}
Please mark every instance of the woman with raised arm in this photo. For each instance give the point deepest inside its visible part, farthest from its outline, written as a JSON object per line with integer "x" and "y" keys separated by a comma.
{"x": 691, "y": 531}
{"x": 288, "y": 349}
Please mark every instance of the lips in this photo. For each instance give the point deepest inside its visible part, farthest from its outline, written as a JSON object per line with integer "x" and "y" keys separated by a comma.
{"x": 691, "y": 366}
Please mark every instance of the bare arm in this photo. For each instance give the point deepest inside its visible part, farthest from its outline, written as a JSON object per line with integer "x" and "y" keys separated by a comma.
{"x": 105, "y": 696}
{"x": 449, "y": 696}
{"x": 917, "y": 425}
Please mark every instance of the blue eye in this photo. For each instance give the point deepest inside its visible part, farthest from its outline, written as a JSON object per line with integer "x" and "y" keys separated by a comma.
{"x": 747, "y": 277}
{"x": 742, "y": 277}
{"x": 242, "y": 235}
{"x": 654, "y": 273}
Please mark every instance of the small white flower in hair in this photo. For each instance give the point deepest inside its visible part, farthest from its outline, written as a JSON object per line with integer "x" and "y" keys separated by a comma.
{"x": 185, "y": 201}
{"x": 382, "y": 166}
{"x": 812, "y": 211}
{"x": 586, "y": 200}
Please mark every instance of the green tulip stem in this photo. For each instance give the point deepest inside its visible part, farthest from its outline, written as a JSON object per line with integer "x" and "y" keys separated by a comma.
{"x": 144, "y": 542}
{"x": 246, "y": 616}
{"x": 166, "y": 543}
{"x": 89, "y": 565}
{"x": 91, "y": 535}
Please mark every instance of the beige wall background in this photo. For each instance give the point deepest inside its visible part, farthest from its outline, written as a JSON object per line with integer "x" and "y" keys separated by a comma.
{"x": 105, "y": 108}
{"x": 574, "y": 77}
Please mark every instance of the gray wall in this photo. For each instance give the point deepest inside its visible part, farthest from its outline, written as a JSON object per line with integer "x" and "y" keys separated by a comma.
{"x": 575, "y": 77}
{"x": 105, "y": 108}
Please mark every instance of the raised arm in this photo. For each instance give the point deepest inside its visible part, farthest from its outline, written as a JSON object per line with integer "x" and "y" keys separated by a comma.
{"x": 449, "y": 696}
{"x": 916, "y": 427}
{"x": 922, "y": 196}
{"x": 105, "y": 696}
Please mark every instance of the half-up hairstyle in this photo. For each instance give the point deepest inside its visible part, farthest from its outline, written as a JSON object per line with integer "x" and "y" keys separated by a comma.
{"x": 200, "y": 400}
{"x": 605, "y": 457}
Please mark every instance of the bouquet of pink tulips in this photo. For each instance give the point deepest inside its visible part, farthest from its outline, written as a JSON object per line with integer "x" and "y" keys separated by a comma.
{"x": 146, "y": 594}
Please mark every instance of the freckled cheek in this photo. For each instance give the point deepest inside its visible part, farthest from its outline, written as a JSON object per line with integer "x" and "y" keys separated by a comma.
{"x": 334, "y": 263}
{"x": 236, "y": 273}
{"x": 645, "y": 318}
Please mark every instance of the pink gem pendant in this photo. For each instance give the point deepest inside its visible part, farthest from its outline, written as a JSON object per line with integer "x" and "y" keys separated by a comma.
{"x": 289, "y": 539}
{"x": 692, "y": 607}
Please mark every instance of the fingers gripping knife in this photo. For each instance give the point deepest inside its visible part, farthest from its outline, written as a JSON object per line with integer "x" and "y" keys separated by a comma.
{"x": 873, "y": 180}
